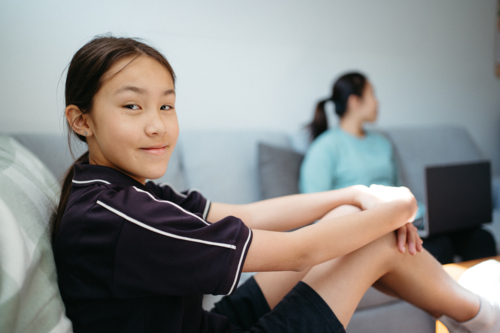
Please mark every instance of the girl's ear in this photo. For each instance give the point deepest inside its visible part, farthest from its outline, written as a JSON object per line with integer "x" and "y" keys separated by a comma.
{"x": 78, "y": 121}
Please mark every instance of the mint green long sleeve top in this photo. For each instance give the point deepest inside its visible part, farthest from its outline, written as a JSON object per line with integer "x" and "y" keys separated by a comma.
{"x": 337, "y": 159}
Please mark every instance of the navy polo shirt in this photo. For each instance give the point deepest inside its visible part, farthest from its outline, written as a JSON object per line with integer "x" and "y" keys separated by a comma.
{"x": 135, "y": 258}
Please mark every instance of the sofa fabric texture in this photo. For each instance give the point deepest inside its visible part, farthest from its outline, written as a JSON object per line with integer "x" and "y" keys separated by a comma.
{"x": 278, "y": 170}
{"x": 29, "y": 295}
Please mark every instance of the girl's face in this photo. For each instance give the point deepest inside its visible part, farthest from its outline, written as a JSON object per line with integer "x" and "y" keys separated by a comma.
{"x": 368, "y": 104}
{"x": 133, "y": 122}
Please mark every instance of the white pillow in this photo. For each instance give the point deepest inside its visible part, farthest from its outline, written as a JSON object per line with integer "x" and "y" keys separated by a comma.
{"x": 29, "y": 295}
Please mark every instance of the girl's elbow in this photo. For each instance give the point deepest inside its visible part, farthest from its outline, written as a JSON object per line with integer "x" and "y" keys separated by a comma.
{"x": 301, "y": 257}
{"x": 299, "y": 264}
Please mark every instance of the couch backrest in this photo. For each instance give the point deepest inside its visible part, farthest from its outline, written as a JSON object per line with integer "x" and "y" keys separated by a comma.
{"x": 419, "y": 147}
{"x": 53, "y": 151}
{"x": 223, "y": 164}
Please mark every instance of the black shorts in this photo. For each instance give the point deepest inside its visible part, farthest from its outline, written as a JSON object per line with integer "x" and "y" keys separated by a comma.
{"x": 301, "y": 310}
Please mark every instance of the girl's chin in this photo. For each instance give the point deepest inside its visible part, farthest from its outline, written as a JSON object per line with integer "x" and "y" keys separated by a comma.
{"x": 155, "y": 174}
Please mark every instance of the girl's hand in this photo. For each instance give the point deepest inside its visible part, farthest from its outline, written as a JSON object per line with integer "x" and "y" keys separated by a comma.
{"x": 408, "y": 234}
{"x": 378, "y": 194}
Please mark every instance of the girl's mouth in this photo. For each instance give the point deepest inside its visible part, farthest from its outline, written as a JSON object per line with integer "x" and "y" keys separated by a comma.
{"x": 155, "y": 150}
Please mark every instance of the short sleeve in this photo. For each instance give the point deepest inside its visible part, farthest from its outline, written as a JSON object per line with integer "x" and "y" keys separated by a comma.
{"x": 317, "y": 172}
{"x": 165, "y": 249}
{"x": 191, "y": 200}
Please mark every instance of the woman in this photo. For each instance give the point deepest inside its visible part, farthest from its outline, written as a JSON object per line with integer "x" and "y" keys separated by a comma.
{"x": 349, "y": 154}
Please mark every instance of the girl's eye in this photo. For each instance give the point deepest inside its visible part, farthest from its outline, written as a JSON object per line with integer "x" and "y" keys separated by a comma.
{"x": 132, "y": 106}
{"x": 165, "y": 107}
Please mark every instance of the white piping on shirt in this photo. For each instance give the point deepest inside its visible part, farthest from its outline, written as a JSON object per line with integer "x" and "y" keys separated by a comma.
{"x": 241, "y": 260}
{"x": 161, "y": 232}
{"x": 207, "y": 206}
{"x": 173, "y": 204}
{"x": 90, "y": 181}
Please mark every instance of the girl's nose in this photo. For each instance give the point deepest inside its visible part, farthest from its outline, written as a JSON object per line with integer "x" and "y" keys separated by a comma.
{"x": 155, "y": 125}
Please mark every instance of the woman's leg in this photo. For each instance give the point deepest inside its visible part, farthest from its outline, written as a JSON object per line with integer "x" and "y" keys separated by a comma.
{"x": 440, "y": 247}
{"x": 469, "y": 244}
{"x": 473, "y": 243}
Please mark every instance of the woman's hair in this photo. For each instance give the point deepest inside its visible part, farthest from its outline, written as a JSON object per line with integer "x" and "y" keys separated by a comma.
{"x": 345, "y": 86}
{"x": 84, "y": 79}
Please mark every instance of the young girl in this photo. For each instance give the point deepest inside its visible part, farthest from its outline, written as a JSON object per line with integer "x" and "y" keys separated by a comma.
{"x": 133, "y": 256}
{"x": 348, "y": 154}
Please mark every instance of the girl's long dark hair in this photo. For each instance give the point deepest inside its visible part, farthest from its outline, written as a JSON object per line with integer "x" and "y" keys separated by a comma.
{"x": 84, "y": 79}
{"x": 345, "y": 86}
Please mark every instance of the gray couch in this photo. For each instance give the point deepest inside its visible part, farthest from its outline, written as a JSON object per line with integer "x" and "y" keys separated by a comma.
{"x": 230, "y": 166}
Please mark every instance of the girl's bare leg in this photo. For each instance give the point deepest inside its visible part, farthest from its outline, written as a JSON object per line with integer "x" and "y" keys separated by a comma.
{"x": 418, "y": 279}
{"x": 342, "y": 282}
{"x": 275, "y": 285}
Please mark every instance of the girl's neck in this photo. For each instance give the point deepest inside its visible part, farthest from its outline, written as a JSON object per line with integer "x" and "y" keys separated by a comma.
{"x": 352, "y": 126}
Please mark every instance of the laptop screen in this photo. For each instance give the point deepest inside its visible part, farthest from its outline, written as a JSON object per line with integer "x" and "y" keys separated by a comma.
{"x": 458, "y": 196}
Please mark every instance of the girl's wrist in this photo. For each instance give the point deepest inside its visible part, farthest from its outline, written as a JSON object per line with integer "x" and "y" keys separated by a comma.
{"x": 357, "y": 193}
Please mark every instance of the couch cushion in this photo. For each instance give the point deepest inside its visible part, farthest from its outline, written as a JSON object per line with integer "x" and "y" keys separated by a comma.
{"x": 395, "y": 317}
{"x": 419, "y": 147}
{"x": 278, "y": 171}
{"x": 223, "y": 165}
{"x": 29, "y": 295}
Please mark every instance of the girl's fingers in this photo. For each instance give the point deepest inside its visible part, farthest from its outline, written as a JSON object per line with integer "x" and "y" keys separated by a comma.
{"x": 411, "y": 239}
{"x": 402, "y": 232}
{"x": 420, "y": 248}
{"x": 408, "y": 234}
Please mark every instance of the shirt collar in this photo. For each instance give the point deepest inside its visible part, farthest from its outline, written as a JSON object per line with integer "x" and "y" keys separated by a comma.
{"x": 89, "y": 174}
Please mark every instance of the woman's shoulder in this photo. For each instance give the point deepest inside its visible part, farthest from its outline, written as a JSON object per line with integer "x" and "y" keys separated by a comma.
{"x": 323, "y": 148}
{"x": 378, "y": 136}
{"x": 327, "y": 138}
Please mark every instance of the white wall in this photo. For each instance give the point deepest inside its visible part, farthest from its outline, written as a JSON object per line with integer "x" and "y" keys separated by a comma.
{"x": 263, "y": 64}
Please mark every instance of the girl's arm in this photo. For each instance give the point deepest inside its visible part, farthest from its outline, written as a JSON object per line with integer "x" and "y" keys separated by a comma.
{"x": 314, "y": 244}
{"x": 290, "y": 212}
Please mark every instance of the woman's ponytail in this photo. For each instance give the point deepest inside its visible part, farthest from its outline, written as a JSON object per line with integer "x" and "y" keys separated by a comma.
{"x": 345, "y": 86}
{"x": 65, "y": 191}
{"x": 319, "y": 124}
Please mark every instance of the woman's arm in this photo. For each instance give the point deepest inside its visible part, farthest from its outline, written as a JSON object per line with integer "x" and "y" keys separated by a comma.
{"x": 314, "y": 244}
{"x": 290, "y": 212}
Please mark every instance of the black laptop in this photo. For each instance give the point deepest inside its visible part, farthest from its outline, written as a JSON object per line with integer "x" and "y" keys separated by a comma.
{"x": 458, "y": 196}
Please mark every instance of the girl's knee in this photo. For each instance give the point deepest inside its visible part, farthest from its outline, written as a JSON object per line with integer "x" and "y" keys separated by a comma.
{"x": 386, "y": 245}
{"x": 342, "y": 210}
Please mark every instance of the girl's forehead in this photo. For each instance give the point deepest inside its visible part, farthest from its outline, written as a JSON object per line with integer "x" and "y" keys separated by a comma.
{"x": 141, "y": 70}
